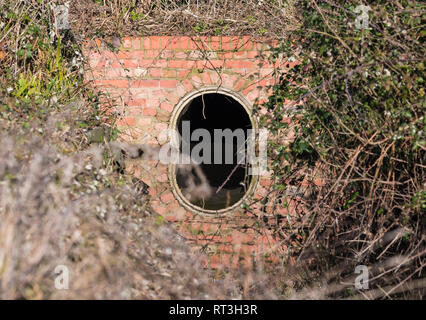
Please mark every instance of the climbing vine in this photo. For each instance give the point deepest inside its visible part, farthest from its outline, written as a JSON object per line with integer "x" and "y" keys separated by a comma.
{"x": 355, "y": 101}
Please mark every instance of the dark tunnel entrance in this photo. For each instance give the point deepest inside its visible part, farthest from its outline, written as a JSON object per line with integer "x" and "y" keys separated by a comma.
{"x": 212, "y": 111}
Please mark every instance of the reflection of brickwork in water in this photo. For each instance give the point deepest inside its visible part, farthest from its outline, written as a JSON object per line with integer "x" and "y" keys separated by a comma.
{"x": 146, "y": 78}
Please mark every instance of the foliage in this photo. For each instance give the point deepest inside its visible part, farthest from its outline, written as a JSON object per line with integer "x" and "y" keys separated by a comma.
{"x": 356, "y": 100}
{"x": 181, "y": 17}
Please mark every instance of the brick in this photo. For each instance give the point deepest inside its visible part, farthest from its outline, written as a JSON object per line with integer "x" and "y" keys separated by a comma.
{"x": 252, "y": 54}
{"x": 113, "y": 73}
{"x": 183, "y": 74}
{"x": 124, "y": 55}
{"x": 175, "y": 43}
{"x": 170, "y": 218}
{"x": 172, "y": 98}
{"x": 248, "y": 89}
{"x": 145, "y": 83}
{"x": 203, "y": 41}
{"x": 162, "y": 168}
{"x": 247, "y": 262}
{"x": 205, "y": 263}
{"x": 179, "y": 213}
{"x": 274, "y": 43}
{"x": 225, "y": 260}
{"x": 156, "y": 42}
{"x": 149, "y": 112}
{"x": 188, "y": 85}
{"x": 136, "y": 43}
{"x": 127, "y": 43}
{"x": 247, "y": 43}
{"x": 153, "y": 102}
{"x": 125, "y": 63}
{"x": 226, "y": 43}
{"x": 253, "y": 95}
{"x": 265, "y": 182}
{"x": 228, "y": 55}
{"x": 235, "y": 261}
{"x": 226, "y": 248}
{"x": 259, "y": 45}
{"x": 169, "y": 73}
{"x": 184, "y": 42}
{"x": 109, "y": 55}
{"x": 240, "y": 55}
{"x": 200, "y": 65}
{"x": 240, "y": 237}
{"x": 165, "y": 42}
{"x": 126, "y": 122}
{"x": 172, "y": 207}
{"x": 137, "y": 54}
{"x": 152, "y": 192}
{"x": 215, "y": 77}
{"x": 181, "y": 64}
{"x": 139, "y": 72}
{"x": 155, "y": 72}
{"x": 180, "y": 91}
{"x": 161, "y": 126}
{"x": 146, "y": 43}
{"x": 166, "y": 106}
{"x": 206, "y": 78}
{"x": 193, "y": 44}
{"x": 214, "y": 261}
{"x": 206, "y": 228}
{"x": 167, "y": 54}
{"x": 167, "y": 197}
{"x": 119, "y": 83}
{"x": 265, "y": 82}
{"x": 215, "y": 64}
{"x": 144, "y": 121}
{"x": 318, "y": 182}
{"x": 156, "y": 95}
{"x": 237, "y": 43}
{"x": 196, "y": 81}
{"x": 238, "y": 64}
{"x": 137, "y": 93}
{"x": 148, "y": 63}
{"x": 240, "y": 84}
{"x": 150, "y": 54}
{"x": 136, "y": 102}
{"x": 162, "y": 178}
{"x": 229, "y": 80}
{"x": 180, "y": 55}
{"x": 160, "y": 210}
{"x": 215, "y": 43}
{"x": 195, "y": 55}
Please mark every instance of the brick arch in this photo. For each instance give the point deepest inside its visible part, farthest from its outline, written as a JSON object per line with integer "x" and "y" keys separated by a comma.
{"x": 147, "y": 78}
{"x": 248, "y": 107}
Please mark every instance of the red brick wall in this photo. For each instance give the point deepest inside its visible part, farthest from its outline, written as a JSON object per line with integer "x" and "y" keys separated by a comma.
{"x": 146, "y": 78}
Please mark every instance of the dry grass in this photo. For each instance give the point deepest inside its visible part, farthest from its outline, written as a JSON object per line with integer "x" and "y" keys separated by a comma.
{"x": 77, "y": 211}
{"x": 188, "y": 17}
{"x": 73, "y": 210}
{"x": 62, "y": 205}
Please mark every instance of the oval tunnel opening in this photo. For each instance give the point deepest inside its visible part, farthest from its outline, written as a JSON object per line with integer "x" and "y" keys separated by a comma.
{"x": 226, "y": 122}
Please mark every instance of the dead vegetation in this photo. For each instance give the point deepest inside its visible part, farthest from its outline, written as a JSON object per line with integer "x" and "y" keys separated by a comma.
{"x": 186, "y": 17}
{"x": 76, "y": 210}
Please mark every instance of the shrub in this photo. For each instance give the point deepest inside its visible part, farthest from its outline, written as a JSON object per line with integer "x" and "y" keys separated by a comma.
{"x": 356, "y": 100}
